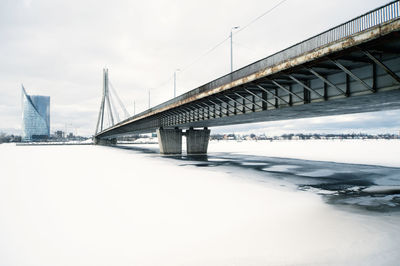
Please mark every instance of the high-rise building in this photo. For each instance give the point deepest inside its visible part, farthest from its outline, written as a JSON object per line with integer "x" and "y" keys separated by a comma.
{"x": 35, "y": 116}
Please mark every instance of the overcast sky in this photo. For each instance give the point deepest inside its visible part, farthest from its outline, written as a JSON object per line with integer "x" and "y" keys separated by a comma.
{"x": 59, "y": 48}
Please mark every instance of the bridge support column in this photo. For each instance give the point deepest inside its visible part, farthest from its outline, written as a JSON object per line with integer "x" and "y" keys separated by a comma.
{"x": 98, "y": 141}
{"x": 197, "y": 140}
{"x": 170, "y": 141}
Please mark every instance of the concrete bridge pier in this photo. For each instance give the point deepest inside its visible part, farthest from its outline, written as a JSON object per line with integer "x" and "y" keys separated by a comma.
{"x": 170, "y": 140}
{"x": 197, "y": 140}
{"x": 98, "y": 141}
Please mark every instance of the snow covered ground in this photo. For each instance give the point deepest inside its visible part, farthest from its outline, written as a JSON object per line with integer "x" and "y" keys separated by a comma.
{"x": 95, "y": 205}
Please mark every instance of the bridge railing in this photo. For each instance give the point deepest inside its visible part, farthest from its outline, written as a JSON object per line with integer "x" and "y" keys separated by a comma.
{"x": 369, "y": 20}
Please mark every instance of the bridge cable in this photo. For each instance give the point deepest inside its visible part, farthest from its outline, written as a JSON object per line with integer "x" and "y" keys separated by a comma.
{"x": 109, "y": 107}
{"x": 114, "y": 109}
{"x": 161, "y": 84}
{"x": 204, "y": 54}
{"x": 100, "y": 117}
{"x": 114, "y": 91}
{"x": 227, "y": 38}
{"x": 207, "y": 52}
{"x": 259, "y": 17}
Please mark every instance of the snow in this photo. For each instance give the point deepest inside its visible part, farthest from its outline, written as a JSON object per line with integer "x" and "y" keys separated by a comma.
{"x": 319, "y": 173}
{"x": 381, "y": 189}
{"x": 146, "y": 140}
{"x": 95, "y": 205}
{"x": 280, "y": 168}
{"x": 372, "y": 152}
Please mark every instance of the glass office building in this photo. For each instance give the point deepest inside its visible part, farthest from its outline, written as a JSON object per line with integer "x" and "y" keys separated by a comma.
{"x": 35, "y": 116}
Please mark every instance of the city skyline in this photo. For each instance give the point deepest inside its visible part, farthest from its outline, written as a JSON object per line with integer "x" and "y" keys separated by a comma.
{"x": 64, "y": 57}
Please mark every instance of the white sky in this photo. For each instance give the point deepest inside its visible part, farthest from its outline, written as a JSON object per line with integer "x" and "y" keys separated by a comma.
{"x": 58, "y": 48}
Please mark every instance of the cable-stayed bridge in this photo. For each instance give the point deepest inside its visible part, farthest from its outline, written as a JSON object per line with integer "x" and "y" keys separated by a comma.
{"x": 109, "y": 113}
{"x": 351, "y": 68}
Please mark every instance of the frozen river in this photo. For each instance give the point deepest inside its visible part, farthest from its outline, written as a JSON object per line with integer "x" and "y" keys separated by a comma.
{"x": 249, "y": 203}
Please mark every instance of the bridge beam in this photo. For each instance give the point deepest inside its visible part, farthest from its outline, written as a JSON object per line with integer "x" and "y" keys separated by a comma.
{"x": 170, "y": 141}
{"x": 197, "y": 140}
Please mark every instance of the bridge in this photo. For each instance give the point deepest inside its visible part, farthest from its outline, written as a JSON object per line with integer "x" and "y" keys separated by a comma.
{"x": 351, "y": 68}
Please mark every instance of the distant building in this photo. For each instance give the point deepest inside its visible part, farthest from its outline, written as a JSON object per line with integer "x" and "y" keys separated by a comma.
{"x": 35, "y": 116}
{"x": 59, "y": 134}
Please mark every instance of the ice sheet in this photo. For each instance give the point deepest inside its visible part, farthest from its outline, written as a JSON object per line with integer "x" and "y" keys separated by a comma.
{"x": 93, "y": 205}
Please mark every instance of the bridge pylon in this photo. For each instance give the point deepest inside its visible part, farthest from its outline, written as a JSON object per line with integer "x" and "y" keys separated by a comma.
{"x": 100, "y": 119}
{"x": 108, "y": 110}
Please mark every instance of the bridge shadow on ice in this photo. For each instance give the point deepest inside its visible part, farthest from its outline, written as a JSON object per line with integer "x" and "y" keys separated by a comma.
{"x": 367, "y": 187}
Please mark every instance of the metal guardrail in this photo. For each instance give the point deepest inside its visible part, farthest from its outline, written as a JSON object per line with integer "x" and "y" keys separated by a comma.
{"x": 369, "y": 20}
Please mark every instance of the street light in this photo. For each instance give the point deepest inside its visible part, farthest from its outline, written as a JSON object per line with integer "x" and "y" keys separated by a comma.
{"x": 149, "y": 98}
{"x": 232, "y": 29}
{"x": 176, "y": 70}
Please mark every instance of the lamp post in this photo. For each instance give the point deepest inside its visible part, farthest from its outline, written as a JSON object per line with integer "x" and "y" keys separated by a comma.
{"x": 176, "y": 70}
{"x": 232, "y": 29}
{"x": 149, "y": 98}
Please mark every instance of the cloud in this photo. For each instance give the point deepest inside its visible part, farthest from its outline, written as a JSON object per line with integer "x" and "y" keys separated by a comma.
{"x": 59, "y": 47}
{"x": 27, "y": 3}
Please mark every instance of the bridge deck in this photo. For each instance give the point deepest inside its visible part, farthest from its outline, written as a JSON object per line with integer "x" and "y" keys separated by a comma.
{"x": 351, "y": 68}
